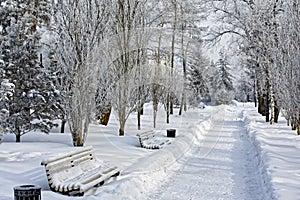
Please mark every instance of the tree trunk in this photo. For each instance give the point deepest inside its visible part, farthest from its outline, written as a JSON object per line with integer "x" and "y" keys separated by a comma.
{"x": 272, "y": 106}
{"x": 260, "y": 104}
{"x": 154, "y": 118}
{"x": 276, "y": 112}
{"x": 121, "y": 132}
{"x": 293, "y": 124}
{"x": 78, "y": 142}
{"x": 294, "y": 127}
{"x": 139, "y": 114}
{"x": 154, "y": 103}
{"x": 139, "y": 119}
{"x": 260, "y": 99}
{"x": 171, "y": 105}
{"x": 104, "y": 118}
{"x": 79, "y": 124}
{"x": 18, "y": 137}
{"x": 122, "y": 121}
{"x": 298, "y": 127}
{"x": 168, "y": 118}
{"x": 266, "y": 107}
{"x": 254, "y": 94}
{"x": 63, "y": 125}
{"x": 168, "y": 109}
{"x": 76, "y": 131}
{"x": 181, "y": 106}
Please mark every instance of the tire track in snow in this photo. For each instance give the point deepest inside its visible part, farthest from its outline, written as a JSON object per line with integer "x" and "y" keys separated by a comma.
{"x": 221, "y": 166}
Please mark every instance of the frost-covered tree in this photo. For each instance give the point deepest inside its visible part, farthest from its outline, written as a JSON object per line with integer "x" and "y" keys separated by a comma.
{"x": 244, "y": 89}
{"x": 266, "y": 34}
{"x": 223, "y": 72}
{"x": 288, "y": 62}
{"x": 191, "y": 15}
{"x": 221, "y": 81}
{"x": 180, "y": 21}
{"x": 80, "y": 28}
{"x": 104, "y": 98}
{"x": 127, "y": 59}
{"x": 198, "y": 83}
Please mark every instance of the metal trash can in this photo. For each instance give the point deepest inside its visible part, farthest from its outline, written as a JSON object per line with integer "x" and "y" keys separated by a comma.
{"x": 171, "y": 133}
{"x": 27, "y": 192}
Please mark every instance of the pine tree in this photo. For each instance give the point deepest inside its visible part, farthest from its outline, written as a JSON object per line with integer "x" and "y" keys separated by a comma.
{"x": 197, "y": 83}
{"x": 6, "y": 91}
{"x": 31, "y": 106}
{"x": 223, "y": 72}
{"x": 221, "y": 81}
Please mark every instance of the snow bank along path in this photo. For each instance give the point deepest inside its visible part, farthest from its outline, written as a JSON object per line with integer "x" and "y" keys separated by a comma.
{"x": 143, "y": 176}
{"x": 222, "y": 165}
{"x": 279, "y": 154}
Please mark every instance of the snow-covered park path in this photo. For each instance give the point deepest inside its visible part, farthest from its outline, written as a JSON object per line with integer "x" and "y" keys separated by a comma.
{"x": 221, "y": 166}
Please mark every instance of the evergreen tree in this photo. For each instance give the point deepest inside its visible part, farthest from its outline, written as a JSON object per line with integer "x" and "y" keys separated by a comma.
{"x": 6, "y": 91}
{"x": 197, "y": 82}
{"x": 32, "y": 105}
{"x": 221, "y": 81}
{"x": 223, "y": 72}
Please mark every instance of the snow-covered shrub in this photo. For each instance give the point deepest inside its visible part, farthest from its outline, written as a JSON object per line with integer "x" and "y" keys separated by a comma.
{"x": 222, "y": 98}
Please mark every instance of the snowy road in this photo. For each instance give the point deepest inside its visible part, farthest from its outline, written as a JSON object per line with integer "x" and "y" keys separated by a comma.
{"x": 221, "y": 166}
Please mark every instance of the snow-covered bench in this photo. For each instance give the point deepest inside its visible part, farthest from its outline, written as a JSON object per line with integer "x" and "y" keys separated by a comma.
{"x": 76, "y": 172}
{"x": 149, "y": 140}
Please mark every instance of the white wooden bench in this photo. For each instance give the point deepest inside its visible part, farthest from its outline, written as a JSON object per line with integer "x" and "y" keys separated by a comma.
{"x": 149, "y": 140}
{"x": 76, "y": 172}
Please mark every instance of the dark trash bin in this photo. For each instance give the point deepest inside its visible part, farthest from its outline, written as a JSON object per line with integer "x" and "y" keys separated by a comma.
{"x": 27, "y": 192}
{"x": 171, "y": 132}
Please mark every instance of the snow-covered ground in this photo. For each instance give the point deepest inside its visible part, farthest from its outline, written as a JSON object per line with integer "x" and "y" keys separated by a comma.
{"x": 223, "y": 152}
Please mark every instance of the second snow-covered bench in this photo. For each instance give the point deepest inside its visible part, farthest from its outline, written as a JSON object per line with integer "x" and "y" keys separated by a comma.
{"x": 76, "y": 172}
{"x": 149, "y": 140}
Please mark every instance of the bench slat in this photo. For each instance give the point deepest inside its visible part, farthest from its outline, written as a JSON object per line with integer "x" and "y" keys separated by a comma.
{"x": 104, "y": 176}
{"x": 146, "y": 135}
{"x": 53, "y": 159}
{"x": 52, "y": 168}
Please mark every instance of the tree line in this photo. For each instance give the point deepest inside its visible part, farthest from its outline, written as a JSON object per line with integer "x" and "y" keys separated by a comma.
{"x": 77, "y": 60}
{"x": 266, "y": 34}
